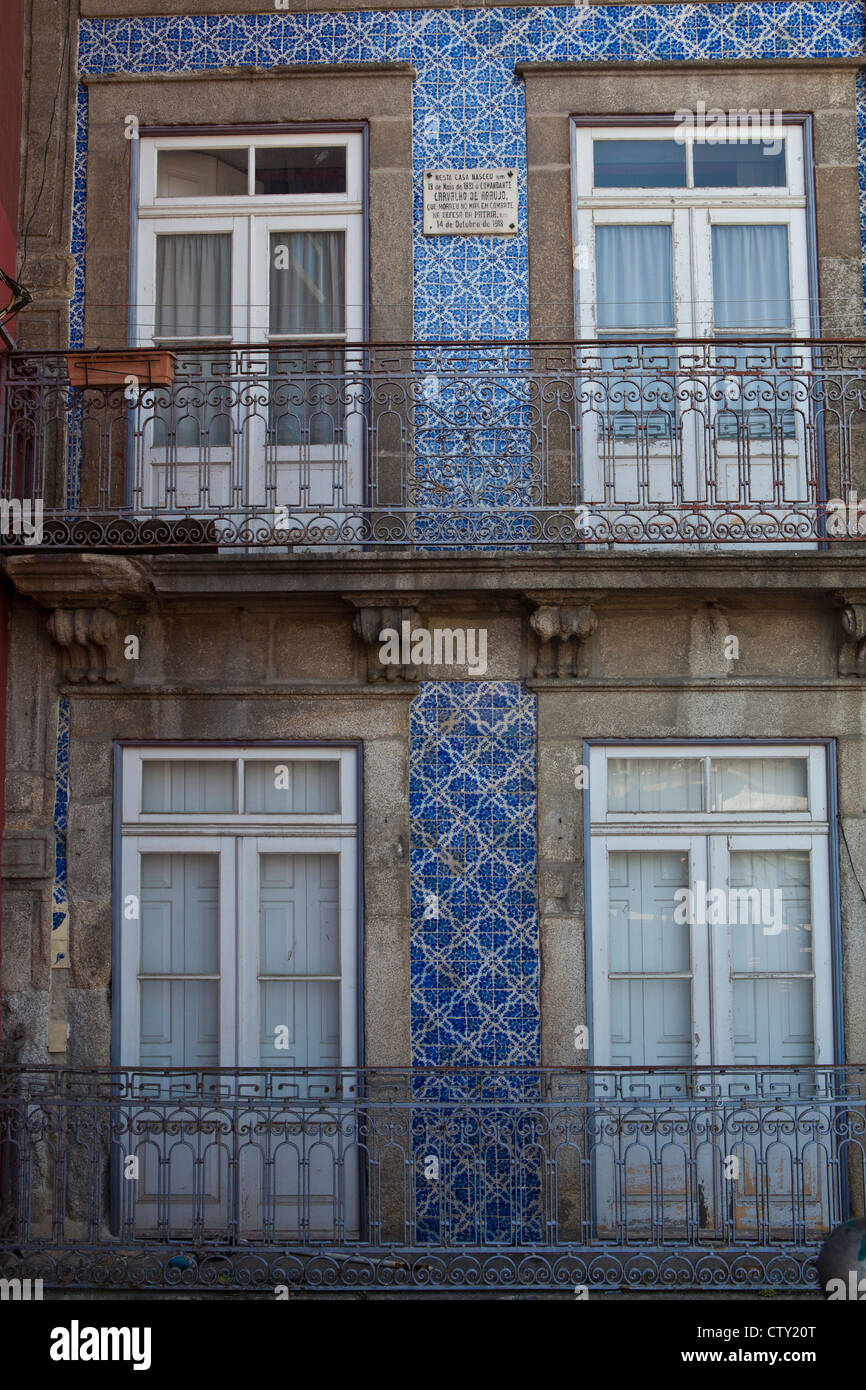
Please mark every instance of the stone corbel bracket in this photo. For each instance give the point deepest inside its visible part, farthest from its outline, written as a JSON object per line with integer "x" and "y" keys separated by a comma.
{"x": 373, "y": 617}
{"x": 562, "y": 626}
{"x": 81, "y": 592}
{"x": 852, "y": 649}
{"x": 85, "y": 637}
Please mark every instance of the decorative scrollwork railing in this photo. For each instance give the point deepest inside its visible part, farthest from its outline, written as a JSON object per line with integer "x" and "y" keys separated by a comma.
{"x": 465, "y": 446}
{"x": 724, "y": 1177}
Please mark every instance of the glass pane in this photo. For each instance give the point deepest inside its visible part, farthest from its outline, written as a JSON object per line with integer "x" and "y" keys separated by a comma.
{"x": 770, "y": 910}
{"x": 179, "y": 1023}
{"x": 194, "y": 285}
{"x": 317, "y": 169}
{"x": 307, "y": 282}
{"x": 636, "y": 392}
{"x": 634, "y": 277}
{"x": 201, "y": 173}
{"x": 655, "y": 784}
{"x": 296, "y": 787}
{"x": 740, "y": 165}
{"x": 187, "y": 785}
{"x": 179, "y": 914}
{"x": 751, "y": 279}
{"x": 306, "y": 391}
{"x": 773, "y": 1023}
{"x": 299, "y": 914}
{"x": 199, "y": 405}
{"x": 760, "y": 784}
{"x": 300, "y": 1023}
{"x": 651, "y": 1023}
{"x": 755, "y": 392}
{"x": 639, "y": 164}
{"x": 645, "y": 935}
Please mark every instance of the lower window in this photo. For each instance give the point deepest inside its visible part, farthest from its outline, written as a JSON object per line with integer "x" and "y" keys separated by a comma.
{"x": 239, "y": 908}
{"x": 710, "y": 909}
{"x": 239, "y": 951}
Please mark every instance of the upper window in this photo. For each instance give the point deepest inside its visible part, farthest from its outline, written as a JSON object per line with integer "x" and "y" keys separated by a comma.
{"x": 238, "y": 166}
{"x": 250, "y": 238}
{"x": 681, "y": 237}
{"x": 653, "y": 163}
{"x": 260, "y": 171}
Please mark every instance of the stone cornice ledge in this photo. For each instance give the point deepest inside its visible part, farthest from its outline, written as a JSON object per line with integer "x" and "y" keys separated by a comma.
{"x": 409, "y": 576}
{"x": 284, "y": 70}
{"x": 571, "y": 69}
{"x": 78, "y": 579}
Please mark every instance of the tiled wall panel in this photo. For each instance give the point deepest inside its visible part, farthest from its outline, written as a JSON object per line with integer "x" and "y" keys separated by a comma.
{"x": 474, "y": 941}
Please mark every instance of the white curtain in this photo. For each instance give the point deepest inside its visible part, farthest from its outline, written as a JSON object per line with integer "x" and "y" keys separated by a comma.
{"x": 751, "y": 284}
{"x": 193, "y": 285}
{"x": 307, "y": 282}
{"x": 193, "y": 300}
{"x": 634, "y": 278}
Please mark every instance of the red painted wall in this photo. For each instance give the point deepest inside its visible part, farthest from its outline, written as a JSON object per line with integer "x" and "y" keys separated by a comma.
{"x": 11, "y": 77}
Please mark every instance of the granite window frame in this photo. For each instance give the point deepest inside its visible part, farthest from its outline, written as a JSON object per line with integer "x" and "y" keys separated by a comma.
{"x": 373, "y": 98}
{"x": 820, "y": 93}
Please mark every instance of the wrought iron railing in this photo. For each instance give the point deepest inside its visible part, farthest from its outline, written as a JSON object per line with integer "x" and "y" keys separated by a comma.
{"x": 656, "y": 1178}
{"x": 443, "y": 446}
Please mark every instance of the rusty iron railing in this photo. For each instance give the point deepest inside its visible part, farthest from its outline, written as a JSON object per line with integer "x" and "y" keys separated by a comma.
{"x": 501, "y": 446}
{"x": 449, "y": 1177}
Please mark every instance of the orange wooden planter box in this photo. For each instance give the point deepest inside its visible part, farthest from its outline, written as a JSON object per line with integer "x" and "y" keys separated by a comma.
{"x": 151, "y": 367}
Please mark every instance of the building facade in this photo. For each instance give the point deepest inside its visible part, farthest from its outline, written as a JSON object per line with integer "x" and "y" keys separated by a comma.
{"x": 436, "y": 698}
{"x": 10, "y": 174}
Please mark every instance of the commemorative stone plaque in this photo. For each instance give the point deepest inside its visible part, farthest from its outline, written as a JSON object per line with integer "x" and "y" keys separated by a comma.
{"x": 470, "y": 202}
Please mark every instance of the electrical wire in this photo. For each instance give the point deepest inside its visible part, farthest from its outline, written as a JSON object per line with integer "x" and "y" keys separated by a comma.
{"x": 851, "y": 859}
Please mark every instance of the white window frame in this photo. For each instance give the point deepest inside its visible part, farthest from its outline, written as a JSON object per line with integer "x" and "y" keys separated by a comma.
{"x": 238, "y": 838}
{"x": 351, "y": 141}
{"x": 699, "y": 963}
{"x": 584, "y": 135}
{"x": 692, "y": 261}
{"x": 690, "y": 212}
{"x": 780, "y": 821}
{"x": 249, "y": 467}
{"x": 710, "y": 838}
{"x": 243, "y": 215}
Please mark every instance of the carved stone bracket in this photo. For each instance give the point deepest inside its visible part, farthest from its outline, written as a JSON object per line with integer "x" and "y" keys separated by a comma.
{"x": 83, "y": 593}
{"x": 85, "y": 636}
{"x": 371, "y": 620}
{"x": 562, "y": 629}
{"x": 852, "y": 650}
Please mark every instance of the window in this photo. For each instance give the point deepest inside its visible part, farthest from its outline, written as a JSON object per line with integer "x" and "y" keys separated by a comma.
{"x": 250, "y": 240}
{"x": 238, "y": 949}
{"x": 240, "y": 918}
{"x": 677, "y": 238}
{"x": 710, "y": 906}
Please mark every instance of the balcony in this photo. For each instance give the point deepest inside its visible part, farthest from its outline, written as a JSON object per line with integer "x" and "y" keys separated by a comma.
{"x": 244, "y": 1179}
{"x": 438, "y": 447}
